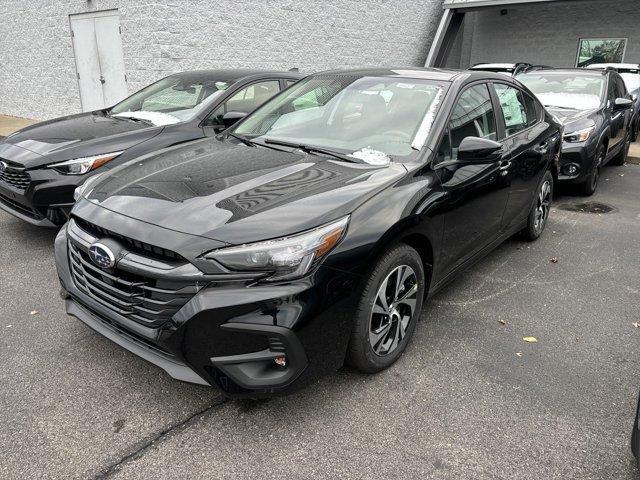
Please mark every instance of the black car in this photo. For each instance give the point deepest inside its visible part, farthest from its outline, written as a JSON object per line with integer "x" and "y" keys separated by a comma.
{"x": 596, "y": 111}
{"x": 41, "y": 165}
{"x": 313, "y": 230}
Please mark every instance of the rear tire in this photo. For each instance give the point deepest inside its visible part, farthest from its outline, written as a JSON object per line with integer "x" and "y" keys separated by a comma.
{"x": 387, "y": 312}
{"x": 539, "y": 214}
{"x": 590, "y": 185}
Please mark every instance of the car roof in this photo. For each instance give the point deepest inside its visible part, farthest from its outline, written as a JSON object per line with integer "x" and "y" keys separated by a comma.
{"x": 436, "y": 74}
{"x": 232, "y": 74}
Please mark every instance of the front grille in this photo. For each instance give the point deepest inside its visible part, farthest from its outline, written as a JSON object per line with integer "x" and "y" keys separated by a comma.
{"x": 15, "y": 176}
{"x": 146, "y": 300}
{"x": 131, "y": 336}
{"x": 132, "y": 244}
{"x": 20, "y": 208}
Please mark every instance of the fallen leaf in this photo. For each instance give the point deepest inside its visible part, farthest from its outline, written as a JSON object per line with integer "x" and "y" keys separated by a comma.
{"x": 636, "y": 324}
{"x": 503, "y": 322}
{"x": 518, "y": 354}
{"x": 530, "y": 339}
{"x": 34, "y": 312}
{"x": 554, "y": 259}
{"x": 9, "y": 326}
{"x": 622, "y": 174}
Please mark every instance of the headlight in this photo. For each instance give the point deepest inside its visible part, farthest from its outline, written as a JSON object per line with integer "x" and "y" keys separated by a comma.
{"x": 80, "y": 166}
{"x": 79, "y": 191}
{"x": 287, "y": 257}
{"x": 579, "y": 135}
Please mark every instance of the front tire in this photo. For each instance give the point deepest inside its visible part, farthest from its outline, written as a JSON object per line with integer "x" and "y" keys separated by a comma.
{"x": 539, "y": 214}
{"x": 590, "y": 185}
{"x": 389, "y": 306}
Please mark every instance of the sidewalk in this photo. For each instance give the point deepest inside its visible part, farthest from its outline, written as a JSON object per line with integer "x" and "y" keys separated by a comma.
{"x": 9, "y": 124}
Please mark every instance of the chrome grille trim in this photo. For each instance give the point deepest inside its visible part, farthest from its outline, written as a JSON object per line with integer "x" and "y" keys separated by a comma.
{"x": 145, "y": 290}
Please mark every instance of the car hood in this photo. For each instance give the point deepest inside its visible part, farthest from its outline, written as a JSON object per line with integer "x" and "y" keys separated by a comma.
{"x": 75, "y": 136}
{"x": 567, "y": 116}
{"x": 236, "y": 193}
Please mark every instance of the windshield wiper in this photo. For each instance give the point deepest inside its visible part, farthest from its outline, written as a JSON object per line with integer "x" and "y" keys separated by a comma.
{"x": 132, "y": 119}
{"x": 244, "y": 140}
{"x": 311, "y": 149}
{"x": 560, "y": 106}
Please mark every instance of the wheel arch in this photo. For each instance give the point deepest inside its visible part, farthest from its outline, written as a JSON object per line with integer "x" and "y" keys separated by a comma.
{"x": 411, "y": 232}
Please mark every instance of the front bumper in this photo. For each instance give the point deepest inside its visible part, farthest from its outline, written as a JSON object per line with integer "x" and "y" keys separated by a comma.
{"x": 580, "y": 156}
{"x": 229, "y": 336}
{"x": 47, "y": 199}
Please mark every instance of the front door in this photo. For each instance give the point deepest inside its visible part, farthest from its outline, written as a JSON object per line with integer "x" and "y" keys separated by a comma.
{"x": 99, "y": 60}
{"x": 616, "y": 90}
{"x": 476, "y": 194}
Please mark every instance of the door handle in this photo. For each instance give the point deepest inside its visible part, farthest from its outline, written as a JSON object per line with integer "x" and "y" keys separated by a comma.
{"x": 102, "y": 80}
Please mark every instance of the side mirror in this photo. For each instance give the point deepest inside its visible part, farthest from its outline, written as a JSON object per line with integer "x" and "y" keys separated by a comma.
{"x": 479, "y": 150}
{"x": 230, "y": 118}
{"x": 622, "y": 104}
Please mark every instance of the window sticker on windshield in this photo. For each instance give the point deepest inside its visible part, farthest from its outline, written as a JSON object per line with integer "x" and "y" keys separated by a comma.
{"x": 405, "y": 85}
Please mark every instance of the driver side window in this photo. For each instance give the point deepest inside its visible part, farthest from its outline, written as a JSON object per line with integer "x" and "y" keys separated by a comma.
{"x": 245, "y": 100}
{"x": 472, "y": 116}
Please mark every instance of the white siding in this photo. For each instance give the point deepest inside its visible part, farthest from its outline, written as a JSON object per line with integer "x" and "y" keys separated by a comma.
{"x": 37, "y": 69}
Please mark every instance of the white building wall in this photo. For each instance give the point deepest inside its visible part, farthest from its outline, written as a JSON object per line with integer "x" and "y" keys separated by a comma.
{"x": 37, "y": 67}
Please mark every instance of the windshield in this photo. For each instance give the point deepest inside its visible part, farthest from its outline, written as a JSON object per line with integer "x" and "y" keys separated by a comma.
{"x": 171, "y": 100}
{"x": 631, "y": 80}
{"x": 363, "y": 117}
{"x": 565, "y": 90}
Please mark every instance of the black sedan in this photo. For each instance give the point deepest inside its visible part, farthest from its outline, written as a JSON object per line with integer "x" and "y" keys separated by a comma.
{"x": 312, "y": 232}
{"x": 596, "y": 111}
{"x": 41, "y": 165}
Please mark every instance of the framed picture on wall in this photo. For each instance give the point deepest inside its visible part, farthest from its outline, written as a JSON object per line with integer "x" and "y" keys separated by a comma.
{"x": 600, "y": 50}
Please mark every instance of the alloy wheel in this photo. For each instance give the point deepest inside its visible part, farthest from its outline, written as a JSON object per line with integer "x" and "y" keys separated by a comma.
{"x": 543, "y": 207}
{"x": 393, "y": 309}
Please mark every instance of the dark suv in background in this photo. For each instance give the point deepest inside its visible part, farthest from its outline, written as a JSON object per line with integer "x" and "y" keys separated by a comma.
{"x": 311, "y": 232}
{"x": 41, "y": 165}
{"x": 630, "y": 73}
{"x": 596, "y": 111}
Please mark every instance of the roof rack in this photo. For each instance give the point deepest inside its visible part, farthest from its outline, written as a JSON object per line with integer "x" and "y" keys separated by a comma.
{"x": 537, "y": 67}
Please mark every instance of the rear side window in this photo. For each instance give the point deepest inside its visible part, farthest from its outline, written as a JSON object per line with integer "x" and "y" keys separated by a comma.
{"x": 514, "y": 109}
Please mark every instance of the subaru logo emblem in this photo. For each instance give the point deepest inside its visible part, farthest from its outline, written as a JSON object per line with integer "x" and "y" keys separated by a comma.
{"x": 102, "y": 255}
{"x": 3, "y": 166}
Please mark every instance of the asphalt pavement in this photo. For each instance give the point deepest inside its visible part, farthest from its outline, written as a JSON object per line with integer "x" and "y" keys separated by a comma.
{"x": 469, "y": 399}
